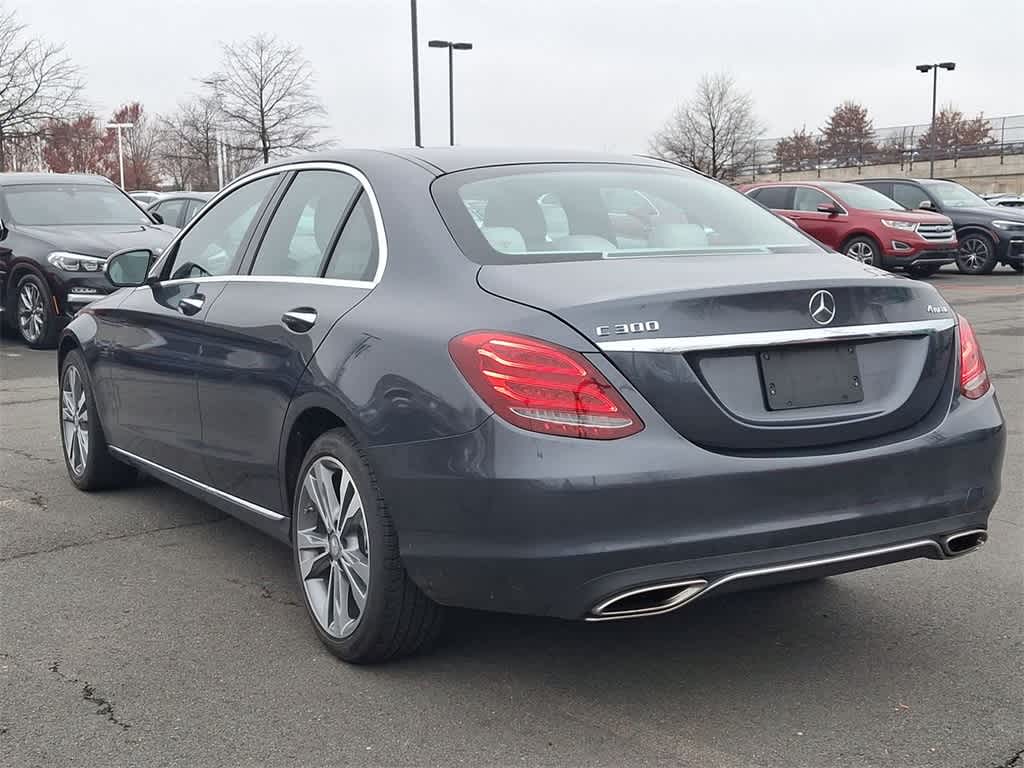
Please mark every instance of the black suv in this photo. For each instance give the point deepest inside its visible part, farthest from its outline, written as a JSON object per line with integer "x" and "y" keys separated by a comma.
{"x": 56, "y": 232}
{"x": 988, "y": 235}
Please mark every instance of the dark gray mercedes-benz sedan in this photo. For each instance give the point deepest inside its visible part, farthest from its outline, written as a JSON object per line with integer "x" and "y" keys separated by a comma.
{"x": 573, "y": 385}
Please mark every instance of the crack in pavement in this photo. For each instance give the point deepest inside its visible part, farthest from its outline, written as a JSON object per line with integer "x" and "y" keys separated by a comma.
{"x": 104, "y": 706}
{"x": 47, "y": 399}
{"x": 119, "y": 537}
{"x": 266, "y": 592}
{"x": 1015, "y": 760}
{"x": 34, "y": 497}
{"x": 28, "y": 455}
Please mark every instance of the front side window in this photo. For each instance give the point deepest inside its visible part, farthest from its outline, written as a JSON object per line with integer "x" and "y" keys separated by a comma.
{"x": 954, "y": 195}
{"x": 864, "y": 198}
{"x": 214, "y": 245}
{"x": 305, "y": 224}
{"x": 808, "y": 199}
{"x": 42, "y": 205}
{"x": 908, "y": 195}
{"x": 170, "y": 211}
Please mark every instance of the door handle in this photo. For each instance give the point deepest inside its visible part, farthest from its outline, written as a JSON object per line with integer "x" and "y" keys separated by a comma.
{"x": 300, "y": 319}
{"x": 191, "y": 304}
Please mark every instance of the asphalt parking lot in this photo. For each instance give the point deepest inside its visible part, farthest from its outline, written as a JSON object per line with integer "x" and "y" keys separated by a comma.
{"x": 141, "y": 627}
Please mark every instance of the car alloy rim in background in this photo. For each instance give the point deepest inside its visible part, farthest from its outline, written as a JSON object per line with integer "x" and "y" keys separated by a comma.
{"x": 333, "y": 547}
{"x": 74, "y": 417}
{"x": 861, "y": 252}
{"x": 31, "y": 312}
{"x": 974, "y": 251}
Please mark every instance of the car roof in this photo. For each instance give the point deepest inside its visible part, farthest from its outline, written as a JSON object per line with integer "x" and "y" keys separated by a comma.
{"x": 450, "y": 159}
{"x": 165, "y": 196}
{"x": 52, "y": 178}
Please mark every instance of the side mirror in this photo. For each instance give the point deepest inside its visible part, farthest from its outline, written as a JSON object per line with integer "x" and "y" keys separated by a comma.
{"x": 128, "y": 269}
{"x": 156, "y": 217}
{"x": 926, "y": 205}
{"x": 3, "y": 229}
{"x": 830, "y": 208}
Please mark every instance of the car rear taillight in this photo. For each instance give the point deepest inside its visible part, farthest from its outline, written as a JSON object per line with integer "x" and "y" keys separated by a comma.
{"x": 542, "y": 387}
{"x": 974, "y": 381}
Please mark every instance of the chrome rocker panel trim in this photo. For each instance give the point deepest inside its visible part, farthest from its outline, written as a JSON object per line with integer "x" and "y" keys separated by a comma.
{"x": 779, "y": 338}
{"x": 147, "y": 464}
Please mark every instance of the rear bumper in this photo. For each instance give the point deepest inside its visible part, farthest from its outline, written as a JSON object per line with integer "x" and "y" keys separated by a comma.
{"x": 501, "y": 519}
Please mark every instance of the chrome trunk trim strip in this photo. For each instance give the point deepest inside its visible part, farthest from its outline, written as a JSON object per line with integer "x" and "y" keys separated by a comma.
{"x": 779, "y": 338}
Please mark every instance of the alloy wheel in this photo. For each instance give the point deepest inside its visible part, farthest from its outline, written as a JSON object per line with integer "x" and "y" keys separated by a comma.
{"x": 861, "y": 252}
{"x": 974, "y": 252}
{"x": 74, "y": 416}
{"x": 31, "y": 312}
{"x": 333, "y": 547}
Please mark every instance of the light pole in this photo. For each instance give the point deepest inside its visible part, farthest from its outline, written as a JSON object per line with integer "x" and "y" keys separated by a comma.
{"x": 934, "y": 69}
{"x": 451, "y": 80}
{"x": 415, "y": 76}
{"x": 120, "y": 145}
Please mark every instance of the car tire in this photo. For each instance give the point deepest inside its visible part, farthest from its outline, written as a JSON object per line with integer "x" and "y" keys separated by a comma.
{"x": 362, "y": 603}
{"x": 34, "y": 318}
{"x": 865, "y": 250}
{"x": 923, "y": 270}
{"x": 1018, "y": 266}
{"x": 977, "y": 254}
{"x": 83, "y": 443}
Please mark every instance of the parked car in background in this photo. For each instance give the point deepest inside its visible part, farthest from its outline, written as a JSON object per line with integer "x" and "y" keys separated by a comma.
{"x": 437, "y": 408}
{"x": 176, "y": 209}
{"x": 55, "y": 235}
{"x": 1005, "y": 200}
{"x": 144, "y": 197}
{"x": 988, "y": 235}
{"x": 863, "y": 224}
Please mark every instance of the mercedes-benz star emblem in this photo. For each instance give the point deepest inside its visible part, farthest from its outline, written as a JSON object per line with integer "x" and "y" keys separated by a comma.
{"x": 822, "y": 307}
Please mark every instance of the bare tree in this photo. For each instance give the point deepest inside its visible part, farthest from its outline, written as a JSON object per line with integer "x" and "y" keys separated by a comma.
{"x": 264, "y": 91}
{"x": 188, "y": 151}
{"x": 714, "y": 131}
{"x": 38, "y": 82}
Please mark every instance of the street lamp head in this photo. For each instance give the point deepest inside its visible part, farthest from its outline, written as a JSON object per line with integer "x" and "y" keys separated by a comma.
{"x": 439, "y": 44}
{"x": 924, "y": 67}
{"x": 462, "y": 46}
{"x": 950, "y": 65}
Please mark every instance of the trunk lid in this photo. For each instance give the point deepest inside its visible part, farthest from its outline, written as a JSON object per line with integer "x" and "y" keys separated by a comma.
{"x": 725, "y": 347}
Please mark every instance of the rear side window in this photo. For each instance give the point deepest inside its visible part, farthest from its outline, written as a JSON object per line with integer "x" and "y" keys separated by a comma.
{"x": 305, "y": 224}
{"x": 355, "y": 256}
{"x": 776, "y": 198}
{"x": 536, "y": 213}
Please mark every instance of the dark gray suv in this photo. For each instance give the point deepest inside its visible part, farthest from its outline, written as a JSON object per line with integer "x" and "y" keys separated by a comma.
{"x": 390, "y": 361}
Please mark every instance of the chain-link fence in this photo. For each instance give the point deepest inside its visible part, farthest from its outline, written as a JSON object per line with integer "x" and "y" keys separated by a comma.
{"x": 905, "y": 145}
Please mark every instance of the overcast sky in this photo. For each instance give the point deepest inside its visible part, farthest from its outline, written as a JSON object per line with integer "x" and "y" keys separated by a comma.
{"x": 588, "y": 73}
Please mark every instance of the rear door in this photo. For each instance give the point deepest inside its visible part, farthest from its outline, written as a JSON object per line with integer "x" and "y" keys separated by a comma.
{"x": 317, "y": 257}
{"x": 150, "y": 345}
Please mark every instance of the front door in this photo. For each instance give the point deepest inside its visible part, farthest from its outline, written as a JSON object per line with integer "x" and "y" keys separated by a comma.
{"x": 151, "y": 344}
{"x": 317, "y": 258}
{"x": 827, "y": 228}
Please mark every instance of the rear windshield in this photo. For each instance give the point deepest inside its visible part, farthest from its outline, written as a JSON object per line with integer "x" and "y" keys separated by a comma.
{"x": 66, "y": 204}
{"x": 864, "y": 198}
{"x": 536, "y": 213}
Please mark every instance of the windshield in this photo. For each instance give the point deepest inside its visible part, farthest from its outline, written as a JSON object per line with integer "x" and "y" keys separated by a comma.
{"x": 537, "y": 213}
{"x": 864, "y": 198}
{"x": 41, "y": 205}
{"x": 953, "y": 195}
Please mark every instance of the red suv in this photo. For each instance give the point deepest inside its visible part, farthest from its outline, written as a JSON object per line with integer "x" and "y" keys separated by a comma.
{"x": 862, "y": 223}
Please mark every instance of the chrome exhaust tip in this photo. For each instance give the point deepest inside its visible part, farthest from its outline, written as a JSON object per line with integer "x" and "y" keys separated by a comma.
{"x": 961, "y": 543}
{"x": 648, "y": 601}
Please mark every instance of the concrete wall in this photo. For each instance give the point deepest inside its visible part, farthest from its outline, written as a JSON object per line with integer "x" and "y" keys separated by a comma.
{"x": 982, "y": 174}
